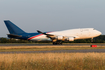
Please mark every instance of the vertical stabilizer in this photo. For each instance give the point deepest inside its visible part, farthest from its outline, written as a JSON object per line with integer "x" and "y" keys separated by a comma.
{"x": 12, "y": 28}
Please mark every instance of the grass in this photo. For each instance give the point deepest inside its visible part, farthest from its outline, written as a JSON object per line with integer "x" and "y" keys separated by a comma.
{"x": 44, "y": 48}
{"x": 53, "y": 61}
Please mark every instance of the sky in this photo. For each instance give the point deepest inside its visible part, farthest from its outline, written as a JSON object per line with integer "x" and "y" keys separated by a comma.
{"x": 52, "y": 15}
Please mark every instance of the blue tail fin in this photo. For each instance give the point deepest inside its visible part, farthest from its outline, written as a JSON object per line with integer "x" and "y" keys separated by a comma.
{"x": 12, "y": 28}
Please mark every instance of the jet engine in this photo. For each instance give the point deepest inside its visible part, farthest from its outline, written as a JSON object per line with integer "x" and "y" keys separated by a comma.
{"x": 59, "y": 37}
{"x": 70, "y": 38}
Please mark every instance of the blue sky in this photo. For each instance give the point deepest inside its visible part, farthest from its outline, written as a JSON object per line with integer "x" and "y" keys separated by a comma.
{"x": 52, "y": 15}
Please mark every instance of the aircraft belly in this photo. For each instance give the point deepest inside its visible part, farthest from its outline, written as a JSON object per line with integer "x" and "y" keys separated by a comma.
{"x": 41, "y": 38}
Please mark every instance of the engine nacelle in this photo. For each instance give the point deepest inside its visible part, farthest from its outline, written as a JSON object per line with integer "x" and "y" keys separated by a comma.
{"x": 59, "y": 37}
{"x": 70, "y": 38}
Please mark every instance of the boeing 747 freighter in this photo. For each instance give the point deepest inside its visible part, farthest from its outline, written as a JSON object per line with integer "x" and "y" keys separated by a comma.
{"x": 55, "y": 36}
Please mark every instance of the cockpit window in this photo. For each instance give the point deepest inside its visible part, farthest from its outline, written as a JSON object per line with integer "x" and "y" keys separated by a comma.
{"x": 93, "y": 29}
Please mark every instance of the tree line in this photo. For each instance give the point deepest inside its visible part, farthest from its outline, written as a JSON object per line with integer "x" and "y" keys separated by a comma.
{"x": 99, "y": 39}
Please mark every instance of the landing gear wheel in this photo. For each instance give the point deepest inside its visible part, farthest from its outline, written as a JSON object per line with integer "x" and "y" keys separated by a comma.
{"x": 54, "y": 43}
{"x": 57, "y": 43}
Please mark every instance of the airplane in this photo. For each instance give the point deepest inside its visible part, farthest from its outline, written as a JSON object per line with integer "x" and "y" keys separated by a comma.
{"x": 57, "y": 37}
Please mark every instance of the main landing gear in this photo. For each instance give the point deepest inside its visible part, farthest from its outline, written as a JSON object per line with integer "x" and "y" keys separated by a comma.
{"x": 57, "y": 43}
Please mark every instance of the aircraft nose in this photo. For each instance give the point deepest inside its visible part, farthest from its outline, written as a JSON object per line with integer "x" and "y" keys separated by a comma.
{"x": 99, "y": 33}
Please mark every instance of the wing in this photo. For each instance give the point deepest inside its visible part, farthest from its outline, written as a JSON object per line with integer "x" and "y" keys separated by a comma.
{"x": 57, "y": 37}
{"x": 44, "y": 33}
{"x": 48, "y": 35}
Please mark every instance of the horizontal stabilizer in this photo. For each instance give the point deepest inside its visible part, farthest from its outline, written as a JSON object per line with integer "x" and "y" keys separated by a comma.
{"x": 13, "y": 36}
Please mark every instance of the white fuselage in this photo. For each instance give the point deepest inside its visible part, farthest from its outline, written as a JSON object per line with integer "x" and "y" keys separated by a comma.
{"x": 82, "y": 33}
